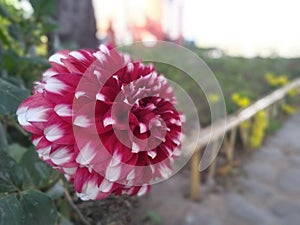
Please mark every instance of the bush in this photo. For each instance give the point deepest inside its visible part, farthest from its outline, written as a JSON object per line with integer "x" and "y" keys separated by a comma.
{"x": 28, "y": 187}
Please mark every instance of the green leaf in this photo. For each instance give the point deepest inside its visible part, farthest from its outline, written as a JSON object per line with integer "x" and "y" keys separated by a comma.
{"x": 43, "y": 7}
{"x": 4, "y": 12}
{"x": 11, "y": 175}
{"x": 4, "y": 38}
{"x": 154, "y": 217}
{"x": 10, "y": 97}
{"x": 17, "y": 175}
{"x": 34, "y": 61}
{"x": 10, "y": 60}
{"x": 11, "y": 212}
{"x": 64, "y": 208}
{"x": 38, "y": 208}
{"x": 14, "y": 32}
{"x": 65, "y": 221}
{"x": 3, "y": 138}
{"x": 56, "y": 191}
{"x": 49, "y": 24}
{"x": 37, "y": 173}
{"x": 17, "y": 81}
{"x": 16, "y": 151}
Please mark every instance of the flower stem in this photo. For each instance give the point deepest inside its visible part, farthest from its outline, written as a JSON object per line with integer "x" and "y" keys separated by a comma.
{"x": 74, "y": 207}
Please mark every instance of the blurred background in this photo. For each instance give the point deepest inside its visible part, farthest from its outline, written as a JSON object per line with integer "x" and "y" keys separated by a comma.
{"x": 251, "y": 28}
{"x": 252, "y": 47}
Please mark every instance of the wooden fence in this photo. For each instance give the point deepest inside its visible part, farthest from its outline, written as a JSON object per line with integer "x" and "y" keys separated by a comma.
{"x": 230, "y": 126}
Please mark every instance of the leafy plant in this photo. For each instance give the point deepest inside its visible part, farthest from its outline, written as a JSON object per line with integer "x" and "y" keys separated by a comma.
{"x": 25, "y": 181}
{"x": 259, "y": 127}
{"x": 273, "y": 126}
{"x": 21, "y": 34}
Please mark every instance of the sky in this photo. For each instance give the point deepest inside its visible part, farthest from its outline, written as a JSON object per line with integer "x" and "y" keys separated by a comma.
{"x": 244, "y": 27}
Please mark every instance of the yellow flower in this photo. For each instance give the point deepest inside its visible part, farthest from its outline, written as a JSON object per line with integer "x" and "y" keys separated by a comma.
{"x": 293, "y": 92}
{"x": 282, "y": 80}
{"x": 270, "y": 78}
{"x": 259, "y": 126}
{"x": 274, "y": 81}
{"x": 288, "y": 109}
{"x": 240, "y": 101}
{"x": 245, "y": 124}
{"x": 235, "y": 97}
{"x": 244, "y": 102}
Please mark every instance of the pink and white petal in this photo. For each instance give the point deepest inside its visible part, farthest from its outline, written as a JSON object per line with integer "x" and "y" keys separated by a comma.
{"x": 113, "y": 173}
{"x": 83, "y": 121}
{"x": 49, "y": 73}
{"x": 165, "y": 170}
{"x": 38, "y": 114}
{"x": 44, "y": 153}
{"x": 58, "y": 131}
{"x": 57, "y": 57}
{"x": 43, "y": 148}
{"x": 137, "y": 190}
{"x": 143, "y": 190}
{"x": 102, "y": 195}
{"x": 56, "y": 86}
{"x": 125, "y": 153}
{"x": 63, "y": 110}
{"x": 85, "y": 116}
{"x": 81, "y": 176}
{"x": 53, "y": 132}
{"x": 106, "y": 186}
{"x": 36, "y": 138}
{"x": 62, "y": 83}
{"x": 86, "y": 154}
{"x": 22, "y": 112}
{"x": 100, "y": 162}
{"x": 72, "y": 68}
{"x": 81, "y": 59}
{"x": 91, "y": 188}
{"x": 87, "y": 87}
{"x": 90, "y": 191}
{"x": 70, "y": 170}
{"x": 61, "y": 155}
{"x": 116, "y": 169}
{"x": 79, "y": 56}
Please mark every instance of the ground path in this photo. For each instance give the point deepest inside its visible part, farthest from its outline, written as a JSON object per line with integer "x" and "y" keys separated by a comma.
{"x": 266, "y": 193}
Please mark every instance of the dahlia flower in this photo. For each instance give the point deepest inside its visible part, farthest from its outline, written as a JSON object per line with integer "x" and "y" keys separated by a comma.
{"x": 108, "y": 123}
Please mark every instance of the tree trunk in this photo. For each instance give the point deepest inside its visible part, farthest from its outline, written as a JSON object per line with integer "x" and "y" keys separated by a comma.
{"x": 77, "y": 23}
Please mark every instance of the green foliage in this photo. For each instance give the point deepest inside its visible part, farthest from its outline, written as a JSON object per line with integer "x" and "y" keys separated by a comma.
{"x": 10, "y": 97}
{"x": 154, "y": 217}
{"x": 36, "y": 172}
{"x": 34, "y": 207}
{"x": 3, "y": 140}
{"x": 11, "y": 175}
{"x": 23, "y": 176}
{"x": 43, "y": 7}
{"x": 16, "y": 151}
{"x": 38, "y": 208}
{"x": 11, "y": 211}
{"x": 21, "y": 35}
{"x": 273, "y": 126}
{"x": 27, "y": 208}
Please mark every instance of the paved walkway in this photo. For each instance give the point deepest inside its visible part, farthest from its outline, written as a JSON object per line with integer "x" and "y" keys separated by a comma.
{"x": 267, "y": 192}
